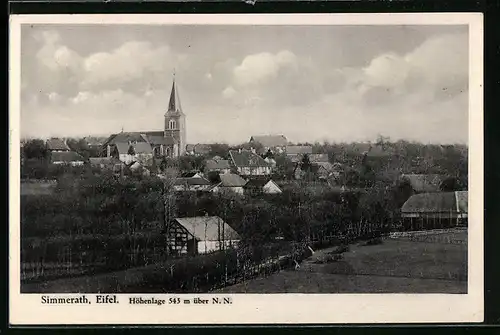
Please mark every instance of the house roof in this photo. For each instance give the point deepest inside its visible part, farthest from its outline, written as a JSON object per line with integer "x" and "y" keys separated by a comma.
{"x": 191, "y": 181}
{"x": 325, "y": 165}
{"x": 231, "y": 180}
{"x": 66, "y": 156}
{"x": 94, "y": 140}
{"x": 57, "y": 144}
{"x": 189, "y": 174}
{"x": 424, "y": 182}
{"x": 208, "y": 228}
{"x": 270, "y": 140}
{"x": 212, "y": 164}
{"x": 246, "y": 158}
{"x": 257, "y": 182}
{"x": 440, "y": 202}
{"x": 298, "y": 149}
{"x": 139, "y": 148}
{"x": 314, "y": 158}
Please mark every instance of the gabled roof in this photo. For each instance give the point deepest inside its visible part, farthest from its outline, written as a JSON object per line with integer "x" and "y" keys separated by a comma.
{"x": 212, "y": 164}
{"x": 298, "y": 149}
{"x": 139, "y": 148}
{"x": 441, "y": 202}
{"x": 424, "y": 182}
{"x": 246, "y": 158}
{"x": 126, "y": 137}
{"x": 257, "y": 182}
{"x": 94, "y": 140}
{"x": 66, "y": 156}
{"x": 270, "y": 140}
{"x": 231, "y": 180}
{"x": 314, "y": 158}
{"x": 325, "y": 165}
{"x": 57, "y": 144}
{"x": 208, "y": 228}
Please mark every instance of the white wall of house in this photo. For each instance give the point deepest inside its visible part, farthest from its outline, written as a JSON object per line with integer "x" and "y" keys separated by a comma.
{"x": 271, "y": 188}
{"x": 237, "y": 190}
{"x": 211, "y": 246}
{"x": 191, "y": 187}
{"x": 75, "y": 163}
{"x": 254, "y": 171}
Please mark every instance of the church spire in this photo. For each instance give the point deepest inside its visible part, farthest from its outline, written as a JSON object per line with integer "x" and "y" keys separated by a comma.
{"x": 174, "y": 104}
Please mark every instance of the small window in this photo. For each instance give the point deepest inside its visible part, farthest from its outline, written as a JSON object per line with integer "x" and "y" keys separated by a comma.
{"x": 172, "y": 124}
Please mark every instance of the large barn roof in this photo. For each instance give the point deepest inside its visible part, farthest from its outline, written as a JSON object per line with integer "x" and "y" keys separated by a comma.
{"x": 208, "y": 228}
{"x": 441, "y": 202}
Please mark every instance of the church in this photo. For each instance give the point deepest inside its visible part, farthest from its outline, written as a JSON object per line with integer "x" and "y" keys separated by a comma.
{"x": 143, "y": 145}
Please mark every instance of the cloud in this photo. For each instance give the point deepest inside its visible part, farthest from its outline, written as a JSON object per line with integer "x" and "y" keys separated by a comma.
{"x": 257, "y": 68}
{"x": 229, "y": 92}
{"x": 413, "y": 94}
{"x": 131, "y": 61}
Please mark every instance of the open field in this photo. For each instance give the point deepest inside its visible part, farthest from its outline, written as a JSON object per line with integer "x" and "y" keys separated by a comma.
{"x": 395, "y": 266}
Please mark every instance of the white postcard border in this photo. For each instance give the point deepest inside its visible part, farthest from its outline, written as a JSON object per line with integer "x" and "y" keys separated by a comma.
{"x": 264, "y": 308}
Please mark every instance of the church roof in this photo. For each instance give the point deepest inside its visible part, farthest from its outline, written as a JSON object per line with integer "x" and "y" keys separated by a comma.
{"x": 174, "y": 104}
{"x": 126, "y": 137}
{"x": 139, "y": 148}
{"x": 157, "y": 140}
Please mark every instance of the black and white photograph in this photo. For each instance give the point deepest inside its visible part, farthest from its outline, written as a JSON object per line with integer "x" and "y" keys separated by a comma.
{"x": 265, "y": 159}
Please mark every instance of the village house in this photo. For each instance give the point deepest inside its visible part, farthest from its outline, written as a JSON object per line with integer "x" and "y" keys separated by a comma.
{"x": 247, "y": 163}
{"x": 134, "y": 152}
{"x": 200, "y": 235}
{"x": 198, "y": 149}
{"x": 94, "y": 142}
{"x": 275, "y": 143}
{"x": 435, "y": 210}
{"x": 192, "y": 174}
{"x": 57, "y": 145}
{"x": 296, "y": 152}
{"x": 70, "y": 158}
{"x": 217, "y": 164}
{"x": 191, "y": 184}
{"x": 258, "y": 186}
{"x": 229, "y": 182}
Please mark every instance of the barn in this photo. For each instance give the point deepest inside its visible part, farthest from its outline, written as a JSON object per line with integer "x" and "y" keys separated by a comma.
{"x": 435, "y": 210}
{"x": 200, "y": 235}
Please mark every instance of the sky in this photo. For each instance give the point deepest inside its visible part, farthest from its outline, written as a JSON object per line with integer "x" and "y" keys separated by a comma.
{"x": 310, "y": 83}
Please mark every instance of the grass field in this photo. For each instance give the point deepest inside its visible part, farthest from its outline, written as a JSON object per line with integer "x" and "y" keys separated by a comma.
{"x": 395, "y": 266}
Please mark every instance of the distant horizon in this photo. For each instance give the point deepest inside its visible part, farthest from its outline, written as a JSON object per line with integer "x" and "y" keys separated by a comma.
{"x": 373, "y": 141}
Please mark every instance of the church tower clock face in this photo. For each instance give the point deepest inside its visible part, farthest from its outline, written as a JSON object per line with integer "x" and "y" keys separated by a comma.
{"x": 175, "y": 121}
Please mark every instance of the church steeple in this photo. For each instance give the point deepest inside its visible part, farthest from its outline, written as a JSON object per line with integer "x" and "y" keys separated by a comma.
{"x": 174, "y": 104}
{"x": 175, "y": 121}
